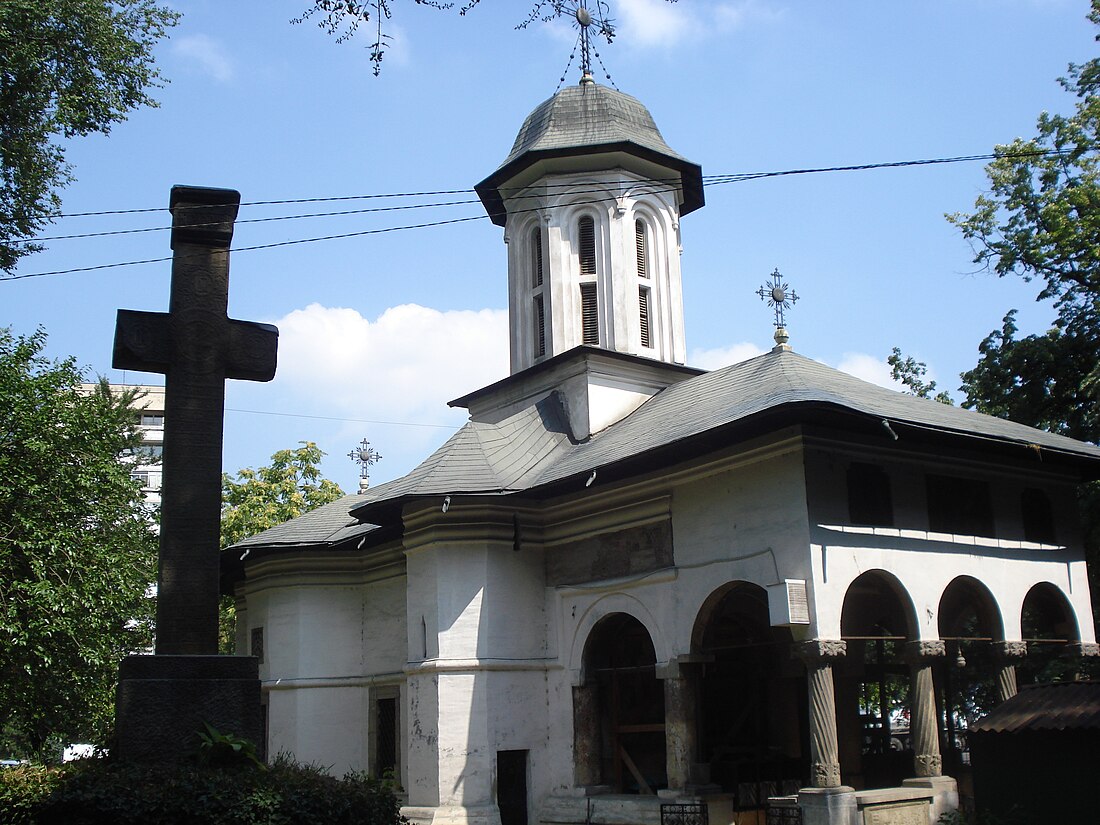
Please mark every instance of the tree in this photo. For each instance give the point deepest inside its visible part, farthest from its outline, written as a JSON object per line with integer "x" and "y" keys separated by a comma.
{"x": 259, "y": 499}
{"x": 1040, "y": 220}
{"x": 77, "y": 549}
{"x": 67, "y": 68}
{"x": 343, "y": 18}
{"x": 910, "y": 372}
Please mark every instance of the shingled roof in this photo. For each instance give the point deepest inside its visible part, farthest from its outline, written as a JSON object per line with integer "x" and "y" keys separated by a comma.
{"x": 533, "y": 449}
{"x": 1057, "y": 706}
{"x": 589, "y": 119}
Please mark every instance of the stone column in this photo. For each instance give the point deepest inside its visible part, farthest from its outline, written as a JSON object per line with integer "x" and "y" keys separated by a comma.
{"x": 1007, "y": 654}
{"x": 818, "y": 656}
{"x": 586, "y": 735}
{"x": 923, "y": 725}
{"x": 680, "y": 712}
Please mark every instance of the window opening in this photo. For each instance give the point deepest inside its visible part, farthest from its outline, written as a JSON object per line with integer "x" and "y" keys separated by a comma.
{"x": 959, "y": 505}
{"x": 1038, "y": 516}
{"x": 590, "y": 319}
{"x": 587, "y": 232}
{"x": 643, "y": 315}
{"x": 536, "y": 256}
{"x": 385, "y": 748}
{"x": 641, "y": 248}
{"x": 869, "y": 499}
{"x": 540, "y": 328}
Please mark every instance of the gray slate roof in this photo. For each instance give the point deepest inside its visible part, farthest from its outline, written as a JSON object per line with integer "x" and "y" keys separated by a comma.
{"x": 533, "y": 448}
{"x": 588, "y": 119}
{"x": 586, "y": 116}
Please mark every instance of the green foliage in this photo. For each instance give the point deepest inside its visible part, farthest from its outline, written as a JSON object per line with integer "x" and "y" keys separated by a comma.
{"x": 910, "y": 372}
{"x": 67, "y": 68}
{"x": 77, "y": 549}
{"x": 259, "y": 499}
{"x": 225, "y": 750}
{"x": 99, "y": 790}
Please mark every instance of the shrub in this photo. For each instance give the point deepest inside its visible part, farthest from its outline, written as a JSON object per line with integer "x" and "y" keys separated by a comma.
{"x": 94, "y": 791}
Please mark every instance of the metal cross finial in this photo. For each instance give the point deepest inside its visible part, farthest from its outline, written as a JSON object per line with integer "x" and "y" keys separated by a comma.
{"x": 780, "y": 297}
{"x": 365, "y": 456}
{"x": 587, "y": 15}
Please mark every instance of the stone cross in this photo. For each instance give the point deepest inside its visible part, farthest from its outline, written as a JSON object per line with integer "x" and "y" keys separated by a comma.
{"x": 196, "y": 346}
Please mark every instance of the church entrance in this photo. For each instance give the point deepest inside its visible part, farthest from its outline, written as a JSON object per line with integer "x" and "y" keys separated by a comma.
{"x": 873, "y": 684}
{"x": 624, "y": 732}
{"x": 752, "y": 716}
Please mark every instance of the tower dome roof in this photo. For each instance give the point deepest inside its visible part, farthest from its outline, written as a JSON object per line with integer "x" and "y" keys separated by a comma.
{"x": 589, "y": 119}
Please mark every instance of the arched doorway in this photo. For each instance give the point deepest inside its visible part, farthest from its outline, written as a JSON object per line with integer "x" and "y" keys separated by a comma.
{"x": 624, "y": 735}
{"x": 1048, "y": 625}
{"x": 752, "y": 699}
{"x": 873, "y": 683}
{"x": 969, "y": 679}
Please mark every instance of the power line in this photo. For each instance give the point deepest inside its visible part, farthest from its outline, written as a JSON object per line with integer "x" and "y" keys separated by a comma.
{"x": 348, "y": 420}
{"x": 709, "y": 180}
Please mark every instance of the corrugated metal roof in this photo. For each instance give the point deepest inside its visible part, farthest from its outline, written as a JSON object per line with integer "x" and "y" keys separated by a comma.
{"x": 1057, "y": 706}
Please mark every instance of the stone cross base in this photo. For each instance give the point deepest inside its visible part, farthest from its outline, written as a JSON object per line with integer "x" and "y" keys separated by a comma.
{"x": 162, "y": 702}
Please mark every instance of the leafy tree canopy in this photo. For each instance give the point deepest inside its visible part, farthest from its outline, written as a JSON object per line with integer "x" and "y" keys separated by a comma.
{"x": 910, "y": 372}
{"x": 77, "y": 549}
{"x": 259, "y": 499}
{"x": 1040, "y": 221}
{"x": 67, "y": 68}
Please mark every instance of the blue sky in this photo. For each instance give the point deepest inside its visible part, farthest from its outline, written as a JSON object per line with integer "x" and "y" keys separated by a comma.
{"x": 379, "y": 331}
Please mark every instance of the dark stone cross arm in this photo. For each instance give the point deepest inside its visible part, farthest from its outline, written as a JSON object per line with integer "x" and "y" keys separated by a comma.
{"x": 196, "y": 346}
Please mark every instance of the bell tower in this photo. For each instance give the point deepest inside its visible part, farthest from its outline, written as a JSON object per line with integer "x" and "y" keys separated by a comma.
{"x": 590, "y": 199}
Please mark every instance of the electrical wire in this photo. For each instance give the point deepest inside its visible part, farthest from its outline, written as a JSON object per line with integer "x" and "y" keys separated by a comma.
{"x": 710, "y": 180}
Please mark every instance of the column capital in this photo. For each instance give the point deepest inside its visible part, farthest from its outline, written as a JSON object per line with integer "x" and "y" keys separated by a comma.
{"x": 1009, "y": 652}
{"x": 923, "y": 651}
{"x": 823, "y": 651}
{"x": 1084, "y": 649}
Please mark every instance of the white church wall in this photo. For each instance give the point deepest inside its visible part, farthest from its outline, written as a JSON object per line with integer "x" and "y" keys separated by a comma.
{"x": 925, "y": 562}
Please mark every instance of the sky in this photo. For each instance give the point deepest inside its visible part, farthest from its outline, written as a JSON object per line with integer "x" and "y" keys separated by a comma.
{"x": 380, "y": 329}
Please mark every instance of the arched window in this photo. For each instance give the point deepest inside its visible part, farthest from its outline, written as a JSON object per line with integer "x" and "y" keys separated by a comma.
{"x": 536, "y": 257}
{"x": 590, "y": 317}
{"x": 538, "y": 307}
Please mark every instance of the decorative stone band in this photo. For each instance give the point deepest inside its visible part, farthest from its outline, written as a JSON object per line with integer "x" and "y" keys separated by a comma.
{"x": 822, "y": 651}
{"x": 1009, "y": 652}
{"x": 1087, "y": 649}
{"x": 924, "y": 651}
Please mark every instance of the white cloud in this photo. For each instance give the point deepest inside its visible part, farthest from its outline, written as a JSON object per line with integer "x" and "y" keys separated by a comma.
{"x": 655, "y": 22}
{"x": 207, "y": 55}
{"x": 404, "y": 366}
{"x": 712, "y": 359}
{"x": 868, "y": 368}
{"x": 736, "y": 15}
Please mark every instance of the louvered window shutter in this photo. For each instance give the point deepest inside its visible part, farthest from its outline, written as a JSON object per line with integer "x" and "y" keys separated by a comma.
{"x": 536, "y": 256}
{"x": 540, "y": 328}
{"x": 643, "y": 315}
{"x": 587, "y": 232}
{"x": 590, "y": 317}
{"x": 640, "y": 246}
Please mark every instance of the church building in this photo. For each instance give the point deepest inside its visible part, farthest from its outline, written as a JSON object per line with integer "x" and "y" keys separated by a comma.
{"x": 627, "y": 583}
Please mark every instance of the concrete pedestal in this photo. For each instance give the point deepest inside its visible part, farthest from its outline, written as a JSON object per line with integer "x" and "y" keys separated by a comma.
{"x": 945, "y": 793}
{"x": 162, "y": 702}
{"x": 828, "y": 806}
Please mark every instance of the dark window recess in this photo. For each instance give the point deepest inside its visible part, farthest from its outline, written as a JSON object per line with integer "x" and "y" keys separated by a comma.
{"x": 1038, "y": 517}
{"x": 540, "y": 328}
{"x": 870, "y": 502}
{"x": 959, "y": 505}
{"x": 256, "y": 643}
{"x": 590, "y": 316}
{"x": 640, "y": 247}
{"x": 586, "y": 229}
{"x": 643, "y": 315}
{"x": 536, "y": 255}
{"x": 385, "y": 748}
{"x": 512, "y": 787}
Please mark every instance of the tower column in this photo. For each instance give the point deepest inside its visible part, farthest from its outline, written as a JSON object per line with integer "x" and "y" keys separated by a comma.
{"x": 818, "y": 655}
